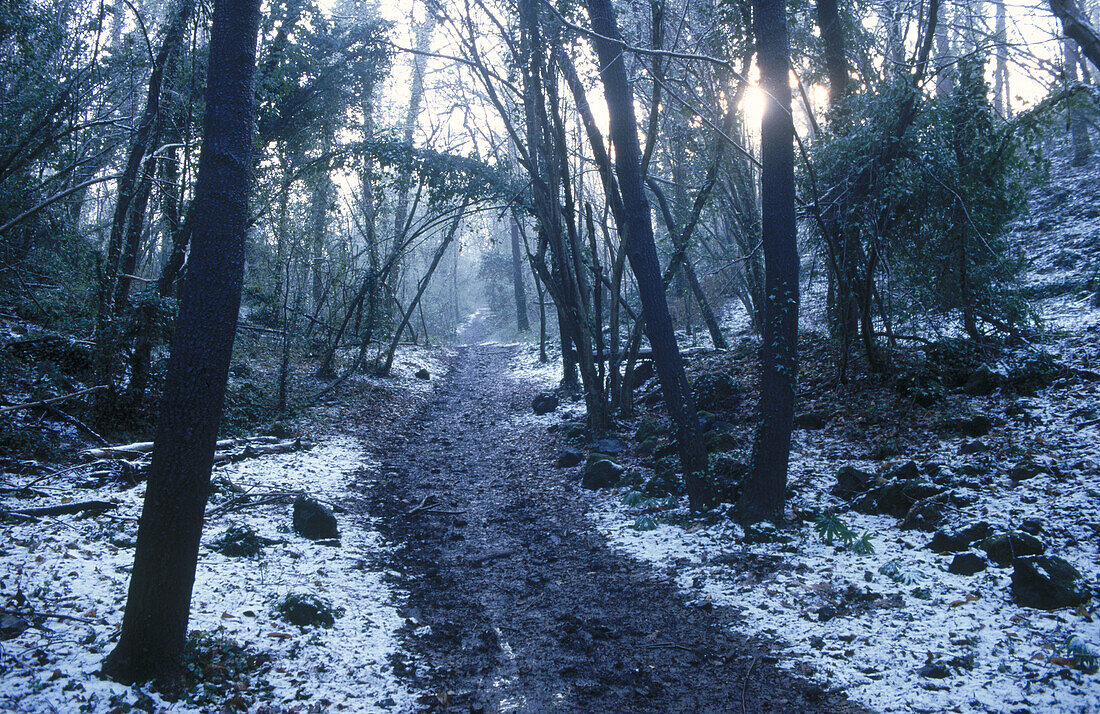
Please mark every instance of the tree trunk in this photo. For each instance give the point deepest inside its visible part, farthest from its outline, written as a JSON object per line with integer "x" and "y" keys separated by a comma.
{"x": 154, "y": 627}
{"x": 765, "y": 490}
{"x": 642, "y": 252}
{"x": 1077, "y": 27}
{"x": 836, "y": 62}
{"x": 517, "y": 279}
{"x": 1078, "y": 124}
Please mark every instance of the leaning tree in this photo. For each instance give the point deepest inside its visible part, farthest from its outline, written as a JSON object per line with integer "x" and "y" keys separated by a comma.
{"x": 154, "y": 626}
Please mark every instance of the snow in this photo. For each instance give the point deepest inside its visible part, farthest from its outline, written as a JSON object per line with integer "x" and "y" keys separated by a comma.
{"x": 80, "y": 567}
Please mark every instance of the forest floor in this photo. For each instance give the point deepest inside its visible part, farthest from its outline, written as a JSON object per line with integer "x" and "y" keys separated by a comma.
{"x": 474, "y": 574}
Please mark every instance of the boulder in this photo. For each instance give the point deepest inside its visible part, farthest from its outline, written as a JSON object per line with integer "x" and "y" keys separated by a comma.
{"x": 544, "y": 403}
{"x": 982, "y": 382}
{"x": 600, "y": 471}
{"x": 973, "y": 447}
{"x": 927, "y": 514}
{"x": 718, "y": 440}
{"x": 647, "y": 429}
{"x": 313, "y": 520}
{"x": 973, "y": 426}
{"x": 896, "y": 497}
{"x": 765, "y": 532}
{"x": 968, "y": 563}
{"x": 1047, "y": 582}
{"x": 1002, "y": 548}
{"x": 423, "y": 374}
{"x": 955, "y": 541}
{"x": 716, "y": 390}
{"x": 811, "y": 420}
{"x": 908, "y": 470}
{"x": 851, "y": 481}
{"x": 610, "y": 446}
{"x": 1026, "y": 468}
{"x": 568, "y": 457}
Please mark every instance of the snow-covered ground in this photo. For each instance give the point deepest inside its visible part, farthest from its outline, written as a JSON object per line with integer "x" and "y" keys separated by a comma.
{"x": 73, "y": 567}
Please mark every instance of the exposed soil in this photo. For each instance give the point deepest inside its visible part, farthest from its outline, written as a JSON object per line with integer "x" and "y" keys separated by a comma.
{"x": 516, "y": 602}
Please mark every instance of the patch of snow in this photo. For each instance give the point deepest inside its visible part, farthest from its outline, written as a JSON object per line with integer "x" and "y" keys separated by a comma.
{"x": 80, "y": 567}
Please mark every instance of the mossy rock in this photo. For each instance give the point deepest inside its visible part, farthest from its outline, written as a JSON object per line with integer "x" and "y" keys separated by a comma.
{"x": 307, "y": 611}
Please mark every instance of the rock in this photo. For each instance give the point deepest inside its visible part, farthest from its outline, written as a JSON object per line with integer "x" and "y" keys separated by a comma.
{"x": 545, "y": 403}
{"x": 1032, "y": 526}
{"x": 967, "y": 563}
{"x": 952, "y": 542}
{"x": 908, "y": 470}
{"x": 826, "y": 613}
{"x": 1025, "y": 469}
{"x": 935, "y": 670}
{"x": 981, "y": 382}
{"x": 851, "y": 481}
{"x": 716, "y": 390}
{"x": 313, "y": 520}
{"x": 719, "y": 440}
{"x": 281, "y": 430}
{"x": 422, "y": 374}
{"x": 765, "y": 532}
{"x": 568, "y": 457}
{"x": 926, "y": 514}
{"x": 896, "y": 497}
{"x": 972, "y": 426}
{"x": 973, "y": 447}
{"x": 811, "y": 420}
{"x": 11, "y": 626}
{"x": 612, "y": 447}
{"x": 307, "y": 611}
{"x": 647, "y": 447}
{"x": 1002, "y": 548}
{"x": 1047, "y": 582}
{"x": 643, "y": 372}
{"x": 647, "y": 429}
{"x": 600, "y": 471}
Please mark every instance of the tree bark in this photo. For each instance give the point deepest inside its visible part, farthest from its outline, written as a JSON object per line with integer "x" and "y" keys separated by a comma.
{"x": 765, "y": 490}
{"x": 642, "y": 251}
{"x": 1077, "y": 27}
{"x": 154, "y": 626}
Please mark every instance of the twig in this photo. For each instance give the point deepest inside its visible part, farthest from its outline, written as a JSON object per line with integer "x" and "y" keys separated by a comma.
{"x": 745, "y": 685}
{"x": 50, "y": 615}
{"x": 52, "y": 400}
{"x": 668, "y": 645}
{"x": 65, "y": 509}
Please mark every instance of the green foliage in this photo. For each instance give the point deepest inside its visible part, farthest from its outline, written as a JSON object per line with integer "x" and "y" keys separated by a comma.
{"x": 448, "y": 178}
{"x": 864, "y": 545}
{"x": 1081, "y": 655}
{"x": 307, "y": 611}
{"x": 933, "y": 213}
{"x": 239, "y": 542}
{"x": 830, "y": 527}
{"x": 214, "y": 667}
{"x": 645, "y": 523}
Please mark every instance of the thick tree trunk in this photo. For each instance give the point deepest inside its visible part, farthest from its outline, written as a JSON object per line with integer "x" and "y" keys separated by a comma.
{"x": 642, "y": 252}
{"x": 154, "y": 627}
{"x": 764, "y": 491}
{"x": 836, "y": 61}
{"x": 1077, "y": 27}
{"x": 1078, "y": 124}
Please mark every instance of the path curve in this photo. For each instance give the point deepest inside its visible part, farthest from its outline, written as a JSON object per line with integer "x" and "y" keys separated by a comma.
{"x": 516, "y": 602}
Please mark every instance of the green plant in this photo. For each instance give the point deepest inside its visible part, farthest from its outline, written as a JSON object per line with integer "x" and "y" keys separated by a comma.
{"x": 830, "y": 527}
{"x": 1081, "y": 655}
{"x": 307, "y": 610}
{"x": 645, "y": 523}
{"x": 864, "y": 545}
{"x": 239, "y": 542}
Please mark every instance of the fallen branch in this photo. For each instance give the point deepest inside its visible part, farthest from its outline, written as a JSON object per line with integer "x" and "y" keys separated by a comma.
{"x": 31, "y": 615}
{"x": 64, "y": 509}
{"x": 125, "y": 451}
{"x": 496, "y": 555}
{"x": 43, "y": 403}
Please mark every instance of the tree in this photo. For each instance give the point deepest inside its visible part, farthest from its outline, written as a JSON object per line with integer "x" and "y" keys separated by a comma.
{"x": 642, "y": 252}
{"x": 764, "y": 491}
{"x": 154, "y": 626}
{"x": 1076, "y": 26}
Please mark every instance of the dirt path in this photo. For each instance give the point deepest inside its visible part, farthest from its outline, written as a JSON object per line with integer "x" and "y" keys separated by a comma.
{"x": 516, "y": 603}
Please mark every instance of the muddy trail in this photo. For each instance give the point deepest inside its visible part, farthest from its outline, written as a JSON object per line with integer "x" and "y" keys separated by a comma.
{"x": 516, "y": 602}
